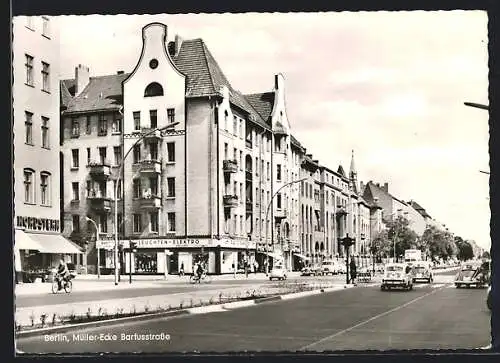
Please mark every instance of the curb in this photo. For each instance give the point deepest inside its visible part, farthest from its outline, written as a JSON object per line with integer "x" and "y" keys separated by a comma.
{"x": 175, "y": 313}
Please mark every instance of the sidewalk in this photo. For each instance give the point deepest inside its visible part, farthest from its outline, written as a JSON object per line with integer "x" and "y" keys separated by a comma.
{"x": 25, "y": 316}
{"x": 174, "y": 278}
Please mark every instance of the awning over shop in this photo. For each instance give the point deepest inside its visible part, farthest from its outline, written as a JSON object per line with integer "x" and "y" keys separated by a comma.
{"x": 23, "y": 241}
{"x": 301, "y": 256}
{"x": 54, "y": 243}
{"x": 274, "y": 255}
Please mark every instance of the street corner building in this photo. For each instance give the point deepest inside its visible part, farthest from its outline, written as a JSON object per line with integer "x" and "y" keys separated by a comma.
{"x": 38, "y": 243}
{"x": 189, "y": 169}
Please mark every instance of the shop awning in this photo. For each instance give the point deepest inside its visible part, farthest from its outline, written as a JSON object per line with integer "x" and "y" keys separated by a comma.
{"x": 301, "y": 256}
{"x": 23, "y": 241}
{"x": 54, "y": 243}
{"x": 274, "y": 255}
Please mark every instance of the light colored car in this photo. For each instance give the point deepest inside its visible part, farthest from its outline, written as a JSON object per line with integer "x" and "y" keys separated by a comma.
{"x": 330, "y": 267}
{"x": 397, "y": 275}
{"x": 422, "y": 271}
{"x": 278, "y": 273}
{"x": 341, "y": 268}
{"x": 471, "y": 274}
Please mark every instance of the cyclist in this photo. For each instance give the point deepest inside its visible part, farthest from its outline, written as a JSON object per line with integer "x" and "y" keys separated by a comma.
{"x": 62, "y": 273}
{"x": 199, "y": 271}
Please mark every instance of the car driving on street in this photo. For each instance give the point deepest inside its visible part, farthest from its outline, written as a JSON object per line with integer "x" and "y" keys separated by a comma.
{"x": 472, "y": 274}
{"x": 330, "y": 267}
{"x": 422, "y": 271}
{"x": 278, "y": 272}
{"x": 397, "y": 275}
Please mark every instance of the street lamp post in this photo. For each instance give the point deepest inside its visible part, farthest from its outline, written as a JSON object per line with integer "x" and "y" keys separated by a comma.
{"x": 347, "y": 242}
{"x": 267, "y": 213}
{"x": 169, "y": 126}
{"x": 98, "y": 249}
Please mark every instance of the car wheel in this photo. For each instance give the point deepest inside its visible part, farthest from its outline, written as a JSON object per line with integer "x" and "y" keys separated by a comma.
{"x": 382, "y": 287}
{"x": 284, "y": 277}
{"x": 410, "y": 287}
{"x": 270, "y": 279}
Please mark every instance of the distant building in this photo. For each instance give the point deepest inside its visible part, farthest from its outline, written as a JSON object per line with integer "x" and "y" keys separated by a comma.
{"x": 37, "y": 210}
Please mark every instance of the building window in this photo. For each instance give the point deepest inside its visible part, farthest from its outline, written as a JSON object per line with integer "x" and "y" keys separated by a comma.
{"x": 137, "y": 188}
{"x": 45, "y": 133}
{"x": 103, "y": 223}
{"x": 137, "y": 120}
{"x": 88, "y": 125}
{"x": 171, "y": 222}
{"x": 45, "y": 77}
{"x": 75, "y": 188}
{"x": 171, "y": 115}
{"x": 29, "y": 191}
{"x": 171, "y": 152}
{"x": 116, "y": 126}
{"x": 102, "y": 155}
{"x": 46, "y": 27}
{"x": 88, "y": 156}
{"x": 242, "y": 231}
{"x": 29, "y": 22}
{"x": 117, "y": 151}
{"x": 75, "y": 159}
{"x": 153, "y": 119}
{"x": 257, "y": 196}
{"x": 75, "y": 127}
{"x": 137, "y": 154}
{"x": 241, "y": 160}
{"x": 278, "y": 201}
{"x": 153, "y": 216}
{"x": 235, "y": 126}
{"x": 119, "y": 221}
{"x": 278, "y": 172}
{"x": 257, "y": 166}
{"x": 153, "y": 89}
{"x": 76, "y": 223}
{"x": 262, "y": 168}
{"x": 28, "y": 122}
{"x": 29, "y": 70}
{"x": 89, "y": 189}
{"x": 153, "y": 185}
{"x": 118, "y": 188}
{"x": 268, "y": 170}
{"x": 241, "y": 129}
{"x": 137, "y": 223}
{"x": 171, "y": 187}
{"x": 226, "y": 151}
{"x": 153, "y": 151}
{"x": 103, "y": 125}
{"x": 226, "y": 115}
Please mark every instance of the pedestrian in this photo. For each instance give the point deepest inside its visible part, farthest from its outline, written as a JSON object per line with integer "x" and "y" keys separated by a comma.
{"x": 181, "y": 271}
{"x": 256, "y": 267}
{"x": 352, "y": 268}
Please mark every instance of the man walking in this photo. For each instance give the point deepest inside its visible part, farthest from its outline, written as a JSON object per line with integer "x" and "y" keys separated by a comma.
{"x": 352, "y": 268}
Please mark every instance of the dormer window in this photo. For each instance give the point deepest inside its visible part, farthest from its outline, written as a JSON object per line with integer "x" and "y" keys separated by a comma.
{"x": 153, "y": 89}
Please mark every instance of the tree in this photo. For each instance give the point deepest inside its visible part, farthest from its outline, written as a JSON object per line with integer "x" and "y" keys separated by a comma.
{"x": 465, "y": 250}
{"x": 401, "y": 235}
{"x": 437, "y": 242}
{"x": 380, "y": 246}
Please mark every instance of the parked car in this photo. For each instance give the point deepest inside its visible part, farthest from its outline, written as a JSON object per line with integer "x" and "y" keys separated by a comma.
{"x": 278, "y": 273}
{"x": 309, "y": 271}
{"x": 397, "y": 275}
{"x": 422, "y": 271}
{"x": 489, "y": 302}
{"x": 472, "y": 274}
{"x": 341, "y": 268}
{"x": 330, "y": 267}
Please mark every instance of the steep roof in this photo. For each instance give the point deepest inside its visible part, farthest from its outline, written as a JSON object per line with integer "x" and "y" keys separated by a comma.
{"x": 263, "y": 103}
{"x": 419, "y": 209}
{"x": 101, "y": 93}
{"x": 65, "y": 97}
{"x": 295, "y": 142}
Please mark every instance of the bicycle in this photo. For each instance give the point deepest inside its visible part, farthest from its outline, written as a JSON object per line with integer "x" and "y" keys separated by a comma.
{"x": 66, "y": 284}
{"x": 204, "y": 278}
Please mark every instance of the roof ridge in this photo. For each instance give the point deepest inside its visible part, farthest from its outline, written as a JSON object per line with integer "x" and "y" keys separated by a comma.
{"x": 206, "y": 54}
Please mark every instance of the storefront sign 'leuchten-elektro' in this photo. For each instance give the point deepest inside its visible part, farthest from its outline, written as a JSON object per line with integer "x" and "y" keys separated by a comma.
{"x": 182, "y": 243}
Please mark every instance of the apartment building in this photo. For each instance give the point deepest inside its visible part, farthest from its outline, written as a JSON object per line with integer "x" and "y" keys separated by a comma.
{"x": 37, "y": 212}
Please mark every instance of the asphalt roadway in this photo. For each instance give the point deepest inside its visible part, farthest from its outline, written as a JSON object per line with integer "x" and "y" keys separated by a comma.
{"x": 432, "y": 316}
{"x": 161, "y": 288}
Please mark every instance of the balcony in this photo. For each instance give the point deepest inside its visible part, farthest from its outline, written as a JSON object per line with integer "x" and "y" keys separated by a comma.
{"x": 100, "y": 204}
{"x": 341, "y": 211}
{"x": 149, "y": 166}
{"x": 150, "y": 202}
{"x": 230, "y": 201}
{"x": 99, "y": 171}
{"x": 153, "y": 134}
{"x": 230, "y": 166}
{"x": 280, "y": 213}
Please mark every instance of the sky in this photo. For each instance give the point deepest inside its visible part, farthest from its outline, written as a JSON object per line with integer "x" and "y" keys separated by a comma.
{"x": 389, "y": 85}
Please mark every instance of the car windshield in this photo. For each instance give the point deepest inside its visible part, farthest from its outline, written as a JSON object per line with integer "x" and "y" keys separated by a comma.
{"x": 419, "y": 268}
{"x": 467, "y": 273}
{"x": 327, "y": 263}
{"x": 394, "y": 268}
{"x": 468, "y": 268}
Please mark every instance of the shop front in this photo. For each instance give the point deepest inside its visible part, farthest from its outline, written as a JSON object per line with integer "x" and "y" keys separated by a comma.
{"x": 36, "y": 254}
{"x": 170, "y": 256}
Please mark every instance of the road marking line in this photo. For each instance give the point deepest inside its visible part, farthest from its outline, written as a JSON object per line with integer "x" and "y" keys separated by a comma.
{"x": 368, "y": 320}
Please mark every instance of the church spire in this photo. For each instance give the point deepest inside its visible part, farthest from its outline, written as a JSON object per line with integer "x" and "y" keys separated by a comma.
{"x": 353, "y": 175}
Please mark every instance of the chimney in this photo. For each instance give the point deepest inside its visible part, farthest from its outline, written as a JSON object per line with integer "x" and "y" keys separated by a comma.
{"x": 178, "y": 43}
{"x": 386, "y": 187}
{"x": 120, "y": 72}
{"x": 82, "y": 78}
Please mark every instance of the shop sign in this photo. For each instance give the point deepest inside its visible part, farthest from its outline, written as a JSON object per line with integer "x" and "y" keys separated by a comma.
{"x": 170, "y": 243}
{"x": 105, "y": 244}
{"x": 38, "y": 224}
{"x": 236, "y": 243}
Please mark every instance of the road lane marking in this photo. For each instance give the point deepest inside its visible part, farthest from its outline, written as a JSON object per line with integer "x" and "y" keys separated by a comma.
{"x": 309, "y": 346}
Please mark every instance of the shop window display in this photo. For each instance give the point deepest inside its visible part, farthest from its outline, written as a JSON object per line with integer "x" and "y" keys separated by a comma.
{"x": 146, "y": 263}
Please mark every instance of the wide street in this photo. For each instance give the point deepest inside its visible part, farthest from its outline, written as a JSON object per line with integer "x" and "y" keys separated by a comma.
{"x": 432, "y": 316}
